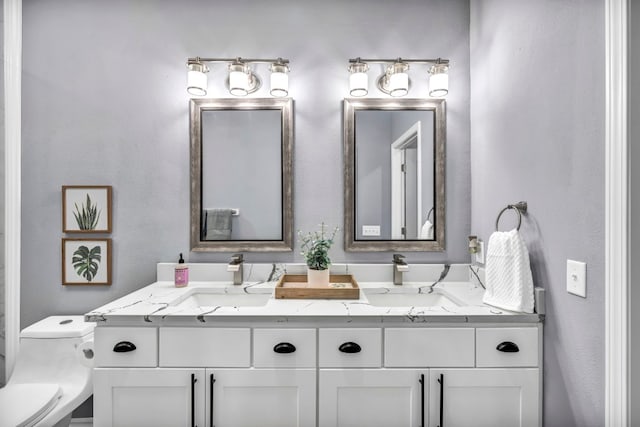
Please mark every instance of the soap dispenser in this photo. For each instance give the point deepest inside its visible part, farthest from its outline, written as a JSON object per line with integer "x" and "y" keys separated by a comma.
{"x": 181, "y": 277}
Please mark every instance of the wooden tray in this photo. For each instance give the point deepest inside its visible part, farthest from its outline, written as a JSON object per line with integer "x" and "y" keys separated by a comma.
{"x": 295, "y": 286}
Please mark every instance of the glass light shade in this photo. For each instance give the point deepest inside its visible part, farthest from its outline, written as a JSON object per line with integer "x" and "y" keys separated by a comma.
{"x": 197, "y": 79}
{"x": 279, "y": 84}
{"x": 358, "y": 78}
{"x": 358, "y": 84}
{"x": 398, "y": 84}
{"x": 238, "y": 83}
{"x": 279, "y": 80}
{"x": 395, "y": 81}
{"x": 438, "y": 81}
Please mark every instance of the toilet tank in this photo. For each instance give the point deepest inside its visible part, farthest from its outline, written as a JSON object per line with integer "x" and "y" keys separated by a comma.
{"x": 51, "y": 351}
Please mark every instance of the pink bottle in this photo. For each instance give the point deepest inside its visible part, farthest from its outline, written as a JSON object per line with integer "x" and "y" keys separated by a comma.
{"x": 181, "y": 277}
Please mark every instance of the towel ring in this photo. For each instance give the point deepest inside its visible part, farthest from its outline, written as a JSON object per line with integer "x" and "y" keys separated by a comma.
{"x": 520, "y": 208}
{"x": 429, "y": 214}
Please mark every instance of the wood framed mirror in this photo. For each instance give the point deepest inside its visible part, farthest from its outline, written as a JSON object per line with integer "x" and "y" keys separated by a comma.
{"x": 394, "y": 174}
{"x": 241, "y": 175}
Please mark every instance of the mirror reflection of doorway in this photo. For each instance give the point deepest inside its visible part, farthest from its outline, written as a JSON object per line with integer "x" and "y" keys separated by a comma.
{"x": 406, "y": 185}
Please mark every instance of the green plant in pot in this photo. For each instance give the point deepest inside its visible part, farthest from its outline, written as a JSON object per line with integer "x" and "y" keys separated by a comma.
{"x": 315, "y": 250}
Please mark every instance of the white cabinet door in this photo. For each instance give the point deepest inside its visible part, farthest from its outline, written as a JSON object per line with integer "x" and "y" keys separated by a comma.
{"x": 261, "y": 397}
{"x": 372, "y": 397}
{"x": 148, "y": 397}
{"x": 484, "y": 397}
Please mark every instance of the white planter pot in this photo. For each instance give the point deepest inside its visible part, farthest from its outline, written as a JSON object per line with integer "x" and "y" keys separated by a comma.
{"x": 317, "y": 278}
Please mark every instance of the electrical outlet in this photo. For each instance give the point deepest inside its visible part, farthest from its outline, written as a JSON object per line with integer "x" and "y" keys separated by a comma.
{"x": 371, "y": 230}
{"x": 480, "y": 253}
{"x": 577, "y": 278}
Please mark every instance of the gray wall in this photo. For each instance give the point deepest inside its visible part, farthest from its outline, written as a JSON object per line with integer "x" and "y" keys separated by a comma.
{"x": 537, "y": 103}
{"x": 104, "y": 102}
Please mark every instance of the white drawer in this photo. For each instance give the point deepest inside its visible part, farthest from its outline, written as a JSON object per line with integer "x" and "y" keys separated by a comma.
{"x": 429, "y": 347}
{"x": 350, "y": 348}
{"x": 206, "y": 347}
{"x": 284, "y": 348}
{"x": 506, "y": 347}
{"x": 126, "y": 347}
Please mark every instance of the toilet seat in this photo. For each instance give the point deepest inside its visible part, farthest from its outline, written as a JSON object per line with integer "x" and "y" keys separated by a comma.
{"x": 23, "y": 405}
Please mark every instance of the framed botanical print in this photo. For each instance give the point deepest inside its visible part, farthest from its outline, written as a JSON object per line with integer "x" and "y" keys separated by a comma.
{"x": 86, "y": 209}
{"x": 86, "y": 261}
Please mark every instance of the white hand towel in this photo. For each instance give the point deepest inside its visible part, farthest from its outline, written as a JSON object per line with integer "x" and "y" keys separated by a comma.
{"x": 508, "y": 273}
{"x": 427, "y": 231}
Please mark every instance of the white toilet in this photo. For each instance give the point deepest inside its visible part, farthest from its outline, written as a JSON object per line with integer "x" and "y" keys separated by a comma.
{"x": 52, "y": 375}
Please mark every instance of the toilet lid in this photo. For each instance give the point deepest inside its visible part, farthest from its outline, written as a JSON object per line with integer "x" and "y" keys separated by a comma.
{"x": 23, "y": 405}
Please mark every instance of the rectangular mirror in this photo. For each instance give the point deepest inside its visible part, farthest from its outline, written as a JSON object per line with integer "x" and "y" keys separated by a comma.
{"x": 394, "y": 158}
{"x": 241, "y": 174}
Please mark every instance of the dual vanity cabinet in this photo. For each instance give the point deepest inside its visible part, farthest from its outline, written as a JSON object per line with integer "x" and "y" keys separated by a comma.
{"x": 318, "y": 374}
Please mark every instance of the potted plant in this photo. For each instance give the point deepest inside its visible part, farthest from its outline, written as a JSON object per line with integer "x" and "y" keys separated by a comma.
{"x": 315, "y": 250}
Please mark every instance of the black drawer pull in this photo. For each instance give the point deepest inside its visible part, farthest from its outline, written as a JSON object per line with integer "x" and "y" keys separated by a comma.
{"x": 194, "y": 380}
{"x": 284, "y": 348}
{"x": 350, "y": 347}
{"x": 508, "y": 347}
{"x": 124, "y": 347}
{"x": 441, "y": 382}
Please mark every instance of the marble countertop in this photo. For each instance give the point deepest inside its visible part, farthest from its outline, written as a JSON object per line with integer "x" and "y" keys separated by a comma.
{"x": 161, "y": 303}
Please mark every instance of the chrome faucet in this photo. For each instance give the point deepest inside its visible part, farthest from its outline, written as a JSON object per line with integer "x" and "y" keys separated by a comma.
{"x": 235, "y": 265}
{"x": 399, "y": 267}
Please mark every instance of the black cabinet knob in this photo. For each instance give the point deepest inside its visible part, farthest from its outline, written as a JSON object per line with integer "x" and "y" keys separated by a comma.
{"x": 124, "y": 347}
{"x": 508, "y": 347}
{"x": 284, "y": 348}
{"x": 350, "y": 347}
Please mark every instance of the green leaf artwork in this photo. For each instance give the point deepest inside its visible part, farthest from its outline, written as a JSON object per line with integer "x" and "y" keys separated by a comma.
{"x": 87, "y": 262}
{"x": 87, "y": 217}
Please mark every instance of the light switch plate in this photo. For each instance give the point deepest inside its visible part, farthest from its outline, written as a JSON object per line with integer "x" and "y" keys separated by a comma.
{"x": 370, "y": 230}
{"x": 577, "y": 278}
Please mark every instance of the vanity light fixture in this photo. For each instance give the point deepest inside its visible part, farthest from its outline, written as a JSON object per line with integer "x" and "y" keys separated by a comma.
{"x": 395, "y": 80}
{"x": 242, "y": 80}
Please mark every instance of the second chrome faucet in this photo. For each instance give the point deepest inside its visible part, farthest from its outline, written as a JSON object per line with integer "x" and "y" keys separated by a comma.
{"x": 399, "y": 267}
{"x": 235, "y": 265}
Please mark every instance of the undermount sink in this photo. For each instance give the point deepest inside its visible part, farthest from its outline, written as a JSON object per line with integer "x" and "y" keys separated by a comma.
{"x": 410, "y": 299}
{"x": 203, "y": 297}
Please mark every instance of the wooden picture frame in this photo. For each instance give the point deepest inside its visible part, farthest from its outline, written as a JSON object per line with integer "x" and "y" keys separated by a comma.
{"x": 86, "y": 261}
{"x": 86, "y": 208}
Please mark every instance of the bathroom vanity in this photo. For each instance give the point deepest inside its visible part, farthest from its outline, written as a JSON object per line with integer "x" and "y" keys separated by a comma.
{"x": 214, "y": 354}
